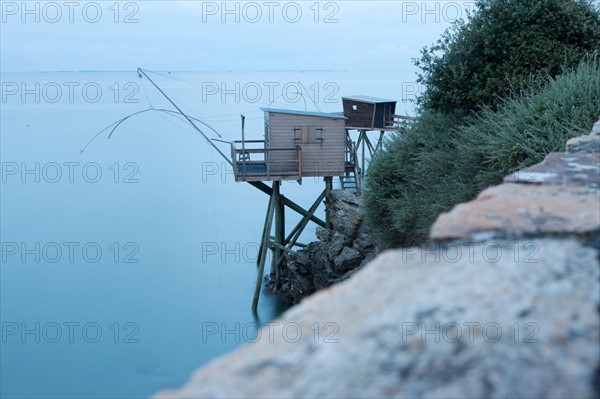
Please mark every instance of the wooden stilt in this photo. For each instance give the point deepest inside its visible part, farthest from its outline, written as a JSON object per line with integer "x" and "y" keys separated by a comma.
{"x": 304, "y": 221}
{"x": 292, "y": 240}
{"x": 279, "y": 234}
{"x": 289, "y": 203}
{"x": 328, "y": 188}
{"x": 263, "y": 251}
{"x": 380, "y": 142}
{"x": 276, "y": 198}
{"x": 264, "y": 232}
{"x": 363, "y": 154}
{"x": 370, "y": 147}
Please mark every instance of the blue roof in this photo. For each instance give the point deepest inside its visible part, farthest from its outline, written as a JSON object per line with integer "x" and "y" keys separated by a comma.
{"x": 304, "y": 113}
{"x": 369, "y": 99}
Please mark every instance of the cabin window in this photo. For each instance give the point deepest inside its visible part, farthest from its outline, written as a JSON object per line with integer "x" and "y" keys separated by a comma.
{"x": 308, "y": 135}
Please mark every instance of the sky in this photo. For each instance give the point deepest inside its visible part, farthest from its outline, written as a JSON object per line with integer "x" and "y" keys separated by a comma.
{"x": 220, "y": 36}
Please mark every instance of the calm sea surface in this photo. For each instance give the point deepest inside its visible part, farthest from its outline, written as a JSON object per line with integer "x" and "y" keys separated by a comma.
{"x": 118, "y": 261}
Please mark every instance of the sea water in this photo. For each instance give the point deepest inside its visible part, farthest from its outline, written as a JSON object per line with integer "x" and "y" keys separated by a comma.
{"x": 129, "y": 262}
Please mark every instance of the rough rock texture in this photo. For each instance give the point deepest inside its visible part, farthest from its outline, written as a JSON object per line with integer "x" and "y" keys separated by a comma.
{"x": 584, "y": 144}
{"x": 557, "y": 197}
{"x": 541, "y": 307}
{"x": 475, "y": 317}
{"x": 562, "y": 169}
{"x": 345, "y": 212}
{"x": 340, "y": 252}
{"x": 596, "y": 128}
{"x": 521, "y": 210}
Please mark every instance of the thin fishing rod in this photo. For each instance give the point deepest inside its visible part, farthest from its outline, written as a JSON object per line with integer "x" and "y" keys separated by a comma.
{"x": 141, "y": 71}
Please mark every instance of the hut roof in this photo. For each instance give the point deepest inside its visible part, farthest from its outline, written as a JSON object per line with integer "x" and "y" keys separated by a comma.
{"x": 304, "y": 113}
{"x": 369, "y": 99}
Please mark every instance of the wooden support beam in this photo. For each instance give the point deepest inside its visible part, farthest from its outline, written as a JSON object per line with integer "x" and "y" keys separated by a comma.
{"x": 263, "y": 252}
{"x": 302, "y": 225}
{"x": 289, "y": 203}
{"x": 264, "y": 232}
{"x": 357, "y": 177}
{"x": 281, "y": 247}
{"x": 279, "y": 232}
{"x": 276, "y": 199}
{"x": 380, "y": 141}
{"x": 328, "y": 188}
{"x": 363, "y": 153}
{"x": 372, "y": 150}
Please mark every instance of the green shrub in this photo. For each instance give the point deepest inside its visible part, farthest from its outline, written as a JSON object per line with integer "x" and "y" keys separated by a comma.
{"x": 529, "y": 126}
{"x": 400, "y": 177}
{"x": 478, "y": 62}
{"x": 427, "y": 169}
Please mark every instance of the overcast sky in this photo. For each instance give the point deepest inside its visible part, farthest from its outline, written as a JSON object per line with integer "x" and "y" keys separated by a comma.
{"x": 223, "y": 36}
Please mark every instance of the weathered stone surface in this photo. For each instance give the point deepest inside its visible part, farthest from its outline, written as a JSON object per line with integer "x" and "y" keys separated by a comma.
{"x": 323, "y": 234}
{"x": 596, "y": 128}
{"x": 336, "y": 244}
{"x": 564, "y": 169}
{"x": 365, "y": 243}
{"x": 349, "y": 259}
{"x": 522, "y": 210}
{"x": 345, "y": 213}
{"x": 383, "y": 340}
{"x": 589, "y": 143}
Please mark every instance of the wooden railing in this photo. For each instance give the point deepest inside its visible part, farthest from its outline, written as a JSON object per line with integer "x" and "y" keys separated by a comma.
{"x": 257, "y": 164}
{"x": 396, "y": 121}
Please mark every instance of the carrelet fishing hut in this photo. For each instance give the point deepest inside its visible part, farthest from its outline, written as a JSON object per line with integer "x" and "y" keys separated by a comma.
{"x": 296, "y": 144}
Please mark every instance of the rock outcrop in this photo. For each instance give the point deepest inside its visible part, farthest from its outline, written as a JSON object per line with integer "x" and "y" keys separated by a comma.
{"x": 504, "y": 302}
{"x": 596, "y": 128}
{"x": 339, "y": 253}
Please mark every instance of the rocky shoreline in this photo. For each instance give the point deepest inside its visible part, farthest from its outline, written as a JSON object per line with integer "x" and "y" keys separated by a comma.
{"x": 340, "y": 252}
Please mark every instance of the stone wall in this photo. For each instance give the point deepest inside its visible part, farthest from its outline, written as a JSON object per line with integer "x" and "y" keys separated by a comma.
{"x": 504, "y": 302}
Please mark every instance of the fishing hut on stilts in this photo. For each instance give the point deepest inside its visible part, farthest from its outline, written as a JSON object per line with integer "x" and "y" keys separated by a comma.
{"x": 297, "y": 144}
{"x": 301, "y": 144}
{"x": 363, "y": 115}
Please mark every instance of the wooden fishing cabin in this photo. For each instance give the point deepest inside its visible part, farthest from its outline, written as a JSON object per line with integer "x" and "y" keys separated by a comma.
{"x": 301, "y": 144}
{"x": 367, "y": 113}
{"x": 296, "y": 144}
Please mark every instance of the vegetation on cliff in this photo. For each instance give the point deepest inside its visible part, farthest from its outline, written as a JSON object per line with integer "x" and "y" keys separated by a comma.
{"x": 501, "y": 47}
{"x": 491, "y": 106}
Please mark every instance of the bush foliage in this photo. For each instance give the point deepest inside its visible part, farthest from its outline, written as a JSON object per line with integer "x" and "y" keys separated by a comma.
{"x": 502, "y": 90}
{"x": 478, "y": 62}
{"x": 427, "y": 169}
